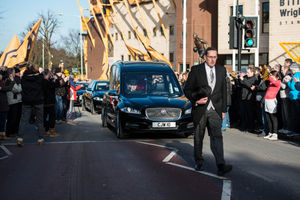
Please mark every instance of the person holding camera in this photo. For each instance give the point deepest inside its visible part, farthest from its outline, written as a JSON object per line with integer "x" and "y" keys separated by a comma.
{"x": 50, "y": 83}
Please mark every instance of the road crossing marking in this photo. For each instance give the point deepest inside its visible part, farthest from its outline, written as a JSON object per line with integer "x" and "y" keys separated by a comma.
{"x": 226, "y": 190}
{"x": 6, "y": 151}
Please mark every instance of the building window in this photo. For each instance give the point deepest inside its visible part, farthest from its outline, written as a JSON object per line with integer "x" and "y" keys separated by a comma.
{"x": 145, "y": 32}
{"x": 247, "y": 59}
{"x": 161, "y": 31}
{"x": 154, "y": 31}
{"x": 122, "y": 57}
{"x": 129, "y": 57}
{"x": 129, "y": 34}
{"x": 171, "y": 57}
{"x": 263, "y": 59}
{"x": 135, "y": 35}
{"x": 172, "y": 30}
{"x": 116, "y": 36}
{"x": 265, "y": 17}
{"x": 240, "y": 10}
{"x": 181, "y": 68}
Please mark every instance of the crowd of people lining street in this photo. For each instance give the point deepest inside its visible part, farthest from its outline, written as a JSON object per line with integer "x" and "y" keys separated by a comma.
{"x": 263, "y": 100}
{"x": 43, "y": 98}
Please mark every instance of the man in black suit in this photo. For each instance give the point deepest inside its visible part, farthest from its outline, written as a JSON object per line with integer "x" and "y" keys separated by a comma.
{"x": 210, "y": 109}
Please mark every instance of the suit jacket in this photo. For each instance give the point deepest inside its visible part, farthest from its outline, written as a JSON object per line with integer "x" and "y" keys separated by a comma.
{"x": 197, "y": 78}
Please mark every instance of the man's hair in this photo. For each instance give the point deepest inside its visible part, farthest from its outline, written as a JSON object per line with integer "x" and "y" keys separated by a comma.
{"x": 210, "y": 49}
{"x": 251, "y": 69}
{"x": 289, "y": 60}
{"x": 10, "y": 70}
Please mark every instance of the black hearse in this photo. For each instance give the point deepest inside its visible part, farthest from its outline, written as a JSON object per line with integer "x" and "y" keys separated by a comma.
{"x": 145, "y": 96}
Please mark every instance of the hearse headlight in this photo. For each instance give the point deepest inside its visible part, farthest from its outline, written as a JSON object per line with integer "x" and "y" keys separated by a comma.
{"x": 130, "y": 110}
{"x": 98, "y": 98}
{"x": 188, "y": 111}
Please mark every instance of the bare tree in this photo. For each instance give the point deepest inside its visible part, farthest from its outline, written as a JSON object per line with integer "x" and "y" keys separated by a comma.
{"x": 71, "y": 43}
{"x": 48, "y": 27}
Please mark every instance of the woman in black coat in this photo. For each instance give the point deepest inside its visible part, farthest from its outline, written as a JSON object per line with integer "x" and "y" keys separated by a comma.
{"x": 4, "y": 104}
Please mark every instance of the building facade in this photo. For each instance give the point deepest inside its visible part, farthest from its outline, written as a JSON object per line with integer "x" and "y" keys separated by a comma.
{"x": 202, "y": 19}
{"x": 279, "y": 21}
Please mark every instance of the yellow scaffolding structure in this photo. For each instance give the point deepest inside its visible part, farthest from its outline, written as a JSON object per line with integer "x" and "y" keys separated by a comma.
{"x": 292, "y": 49}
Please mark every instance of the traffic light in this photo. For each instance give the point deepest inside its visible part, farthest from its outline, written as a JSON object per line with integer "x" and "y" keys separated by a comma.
{"x": 233, "y": 34}
{"x": 250, "y": 32}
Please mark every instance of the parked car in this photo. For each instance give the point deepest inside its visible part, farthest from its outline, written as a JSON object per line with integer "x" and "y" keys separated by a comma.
{"x": 80, "y": 93}
{"x": 93, "y": 96}
{"x": 145, "y": 96}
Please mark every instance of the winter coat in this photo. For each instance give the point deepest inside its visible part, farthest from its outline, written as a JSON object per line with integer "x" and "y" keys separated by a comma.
{"x": 14, "y": 96}
{"x": 73, "y": 93}
{"x": 247, "y": 93}
{"x": 49, "y": 91}
{"x": 294, "y": 93}
{"x": 273, "y": 88}
{"x": 3, "y": 95}
{"x": 32, "y": 88}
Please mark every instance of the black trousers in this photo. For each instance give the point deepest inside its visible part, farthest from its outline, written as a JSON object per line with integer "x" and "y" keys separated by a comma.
{"x": 212, "y": 121}
{"x": 13, "y": 119}
{"x": 248, "y": 115}
{"x": 272, "y": 122}
{"x": 284, "y": 112}
{"x": 49, "y": 117}
{"x": 294, "y": 110}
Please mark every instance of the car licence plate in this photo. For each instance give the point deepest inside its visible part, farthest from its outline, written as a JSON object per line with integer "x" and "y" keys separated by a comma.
{"x": 163, "y": 124}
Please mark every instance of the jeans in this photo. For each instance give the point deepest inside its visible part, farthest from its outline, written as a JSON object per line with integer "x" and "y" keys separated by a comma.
{"x": 26, "y": 112}
{"x": 59, "y": 108}
{"x": 264, "y": 121}
{"x": 71, "y": 110}
{"x": 226, "y": 120}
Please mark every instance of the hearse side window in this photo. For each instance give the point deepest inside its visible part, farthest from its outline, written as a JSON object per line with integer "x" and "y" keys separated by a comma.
{"x": 111, "y": 77}
{"x": 117, "y": 79}
{"x": 90, "y": 85}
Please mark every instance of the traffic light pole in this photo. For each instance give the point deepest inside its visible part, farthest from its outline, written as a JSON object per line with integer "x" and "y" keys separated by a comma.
{"x": 239, "y": 43}
{"x": 239, "y": 34}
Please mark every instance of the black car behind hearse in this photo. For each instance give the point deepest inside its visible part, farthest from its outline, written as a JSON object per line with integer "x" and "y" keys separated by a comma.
{"x": 145, "y": 97}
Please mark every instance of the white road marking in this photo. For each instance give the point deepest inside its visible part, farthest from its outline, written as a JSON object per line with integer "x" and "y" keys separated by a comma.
{"x": 261, "y": 176}
{"x": 4, "y": 157}
{"x": 200, "y": 172}
{"x": 5, "y": 150}
{"x": 157, "y": 145}
{"x": 226, "y": 193}
{"x": 169, "y": 157}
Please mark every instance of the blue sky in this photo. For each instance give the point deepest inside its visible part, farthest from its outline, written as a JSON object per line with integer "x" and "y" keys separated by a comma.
{"x": 17, "y": 14}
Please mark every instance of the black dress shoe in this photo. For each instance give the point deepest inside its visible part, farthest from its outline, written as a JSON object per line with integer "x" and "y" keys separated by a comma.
{"x": 223, "y": 169}
{"x": 198, "y": 167}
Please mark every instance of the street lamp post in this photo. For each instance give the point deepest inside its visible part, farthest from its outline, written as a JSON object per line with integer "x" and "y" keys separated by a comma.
{"x": 81, "y": 54}
{"x": 43, "y": 54}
